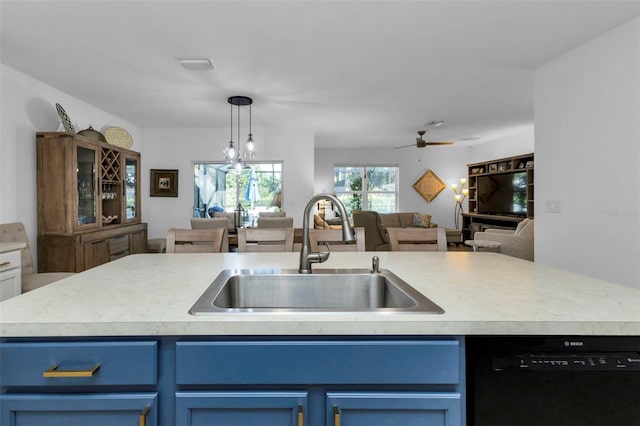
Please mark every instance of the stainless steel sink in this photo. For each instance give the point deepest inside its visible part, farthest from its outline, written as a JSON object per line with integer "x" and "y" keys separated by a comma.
{"x": 326, "y": 290}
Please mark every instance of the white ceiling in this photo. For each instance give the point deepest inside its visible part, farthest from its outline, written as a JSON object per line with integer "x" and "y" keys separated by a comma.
{"x": 358, "y": 73}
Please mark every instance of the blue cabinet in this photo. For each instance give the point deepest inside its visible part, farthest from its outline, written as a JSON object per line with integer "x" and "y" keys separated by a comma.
{"x": 270, "y": 408}
{"x": 187, "y": 381}
{"x": 78, "y": 383}
{"x": 306, "y": 362}
{"x": 98, "y": 409}
{"x": 393, "y": 408}
{"x": 396, "y": 382}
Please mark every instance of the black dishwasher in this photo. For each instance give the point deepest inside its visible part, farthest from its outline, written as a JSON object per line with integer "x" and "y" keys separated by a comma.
{"x": 553, "y": 381}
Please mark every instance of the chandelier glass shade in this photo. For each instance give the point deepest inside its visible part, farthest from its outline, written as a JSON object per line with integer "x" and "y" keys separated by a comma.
{"x": 234, "y": 154}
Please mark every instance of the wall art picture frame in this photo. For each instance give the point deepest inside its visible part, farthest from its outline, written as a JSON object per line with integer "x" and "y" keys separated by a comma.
{"x": 163, "y": 183}
{"x": 429, "y": 186}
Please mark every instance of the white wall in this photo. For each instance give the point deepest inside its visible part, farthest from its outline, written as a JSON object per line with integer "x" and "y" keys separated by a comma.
{"x": 521, "y": 142}
{"x": 587, "y": 120}
{"x": 448, "y": 163}
{"x": 179, "y": 148}
{"x": 28, "y": 106}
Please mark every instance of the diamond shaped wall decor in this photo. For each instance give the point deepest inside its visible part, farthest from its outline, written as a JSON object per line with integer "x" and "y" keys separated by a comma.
{"x": 429, "y": 186}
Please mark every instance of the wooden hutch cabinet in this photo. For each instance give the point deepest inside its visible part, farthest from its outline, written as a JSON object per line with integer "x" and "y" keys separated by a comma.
{"x": 501, "y": 194}
{"x": 88, "y": 202}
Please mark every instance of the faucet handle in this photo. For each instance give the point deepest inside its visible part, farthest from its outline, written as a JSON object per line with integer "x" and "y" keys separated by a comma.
{"x": 319, "y": 257}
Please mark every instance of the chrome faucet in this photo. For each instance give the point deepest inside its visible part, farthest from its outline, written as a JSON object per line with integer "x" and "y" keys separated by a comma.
{"x": 375, "y": 265}
{"x": 307, "y": 257}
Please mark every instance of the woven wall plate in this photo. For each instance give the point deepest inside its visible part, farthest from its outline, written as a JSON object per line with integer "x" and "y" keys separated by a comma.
{"x": 429, "y": 186}
{"x": 119, "y": 137}
{"x": 64, "y": 119}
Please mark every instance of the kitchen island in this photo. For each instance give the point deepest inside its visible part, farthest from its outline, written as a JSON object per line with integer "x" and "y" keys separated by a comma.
{"x": 169, "y": 367}
{"x": 481, "y": 293}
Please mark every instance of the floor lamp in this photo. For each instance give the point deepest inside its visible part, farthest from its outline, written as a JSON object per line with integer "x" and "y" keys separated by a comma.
{"x": 461, "y": 193}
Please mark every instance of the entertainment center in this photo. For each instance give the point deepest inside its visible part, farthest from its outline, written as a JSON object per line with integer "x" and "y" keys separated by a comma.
{"x": 501, "y": 194}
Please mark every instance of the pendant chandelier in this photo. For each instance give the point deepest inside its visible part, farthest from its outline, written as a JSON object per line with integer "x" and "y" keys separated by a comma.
{"x": 232, "y": 154}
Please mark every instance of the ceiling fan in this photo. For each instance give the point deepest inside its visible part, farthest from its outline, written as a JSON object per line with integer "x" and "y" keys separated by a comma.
{"x": 421, "y": 143}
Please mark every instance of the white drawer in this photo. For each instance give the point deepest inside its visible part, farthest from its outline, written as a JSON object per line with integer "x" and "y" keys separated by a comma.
{"x": 9, "y": 260}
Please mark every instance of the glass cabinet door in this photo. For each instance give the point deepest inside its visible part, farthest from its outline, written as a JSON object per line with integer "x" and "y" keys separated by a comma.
{"x": 86, "y": 179}
{"x": 132, "y": 196}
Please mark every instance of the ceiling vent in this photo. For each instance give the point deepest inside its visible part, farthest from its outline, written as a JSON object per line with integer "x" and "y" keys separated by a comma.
{"x": 196, "y": 64}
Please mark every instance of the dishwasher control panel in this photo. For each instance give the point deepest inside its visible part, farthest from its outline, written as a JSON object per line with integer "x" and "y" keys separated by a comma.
{"x": 620, "y": 361}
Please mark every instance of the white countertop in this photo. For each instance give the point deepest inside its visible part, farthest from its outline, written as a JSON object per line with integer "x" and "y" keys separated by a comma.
{"x": 5, "y": 247}
{"x": 481, "y": 293}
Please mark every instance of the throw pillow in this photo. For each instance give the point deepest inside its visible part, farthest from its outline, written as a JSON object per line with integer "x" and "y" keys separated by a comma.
{"x": 421, "y": 220}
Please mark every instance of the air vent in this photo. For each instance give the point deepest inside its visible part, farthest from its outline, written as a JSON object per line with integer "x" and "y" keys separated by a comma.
{"x": 196, "y": 64}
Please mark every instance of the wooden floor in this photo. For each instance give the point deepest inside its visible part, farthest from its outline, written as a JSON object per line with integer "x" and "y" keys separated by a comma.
{"x": 458, "y": 247}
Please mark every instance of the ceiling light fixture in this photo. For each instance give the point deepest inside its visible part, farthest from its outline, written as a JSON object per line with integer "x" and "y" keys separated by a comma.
{"x": 196, "y": 64}
{"x": 233, "y": 155}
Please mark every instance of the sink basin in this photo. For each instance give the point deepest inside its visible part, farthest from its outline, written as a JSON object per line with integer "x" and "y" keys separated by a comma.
{"x": 326, "y": 290}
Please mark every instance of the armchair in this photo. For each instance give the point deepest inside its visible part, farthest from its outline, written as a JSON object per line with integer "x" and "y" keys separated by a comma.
{"x": 518, "y": 243}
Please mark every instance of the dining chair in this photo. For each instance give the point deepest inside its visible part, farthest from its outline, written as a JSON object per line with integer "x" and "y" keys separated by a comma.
{"x": 321, "y": 238}
{"x": 272, "y": 214}
{"x": 31, "y": 279}
{"x": 275, "y": 222}
{"x": 418, "y": 239}
{"x": 195, "y": 240}
{"x": 213, "y": 223}
{"x": 265, "y": 239}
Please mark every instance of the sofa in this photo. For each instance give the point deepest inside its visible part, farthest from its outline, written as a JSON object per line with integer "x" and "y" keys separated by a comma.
{"x": 405, "y": 220}
{"x": 375, "y": 227}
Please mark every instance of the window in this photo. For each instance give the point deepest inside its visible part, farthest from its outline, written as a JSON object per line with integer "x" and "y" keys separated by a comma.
{"x": 367, "y": 187}
{"x": 218, "y": 186}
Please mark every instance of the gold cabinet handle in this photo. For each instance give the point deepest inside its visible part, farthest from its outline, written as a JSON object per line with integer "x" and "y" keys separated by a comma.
{"x": 336, "y": 416}
{"x": 54, "y": 372}
{"x": 300, "y": 416}
{"x": 143, "y": 416}
{"x": 3, "y": 264}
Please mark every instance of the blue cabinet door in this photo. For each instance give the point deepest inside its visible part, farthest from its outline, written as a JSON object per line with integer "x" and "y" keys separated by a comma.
{"x": 106, "y": 409}
{"x": 241, "y": 408}
{"x": 393, "y": 409}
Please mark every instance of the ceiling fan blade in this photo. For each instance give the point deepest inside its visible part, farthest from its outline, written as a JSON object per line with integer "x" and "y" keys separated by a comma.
{"x": 404, "y": 146}
{"x": 439, "y": 143}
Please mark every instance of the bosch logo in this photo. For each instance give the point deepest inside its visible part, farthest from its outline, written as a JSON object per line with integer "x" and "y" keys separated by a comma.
{"x": 573, "y": 344}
